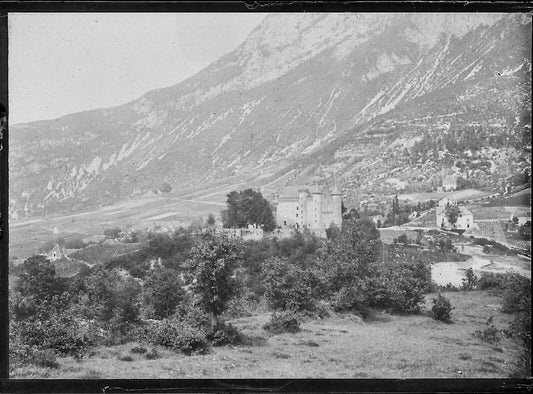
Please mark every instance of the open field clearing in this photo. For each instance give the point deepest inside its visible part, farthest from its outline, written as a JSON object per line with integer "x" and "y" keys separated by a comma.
{"x": 27, "y": 236}
{"x": 340, "y": 346}
{"x": 453, "y": 272}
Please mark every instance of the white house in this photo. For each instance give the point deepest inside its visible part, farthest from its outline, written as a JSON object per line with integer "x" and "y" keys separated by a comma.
{"x": 465, "y": 219}
{"x": 378, "y": 221}
{"x": 449, "y": 183}
{"x": 56, "y": 253}
{"x": 522, "y": 217}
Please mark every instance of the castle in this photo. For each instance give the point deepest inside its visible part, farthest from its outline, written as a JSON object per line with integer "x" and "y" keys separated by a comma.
{"x": 312, "y": 208}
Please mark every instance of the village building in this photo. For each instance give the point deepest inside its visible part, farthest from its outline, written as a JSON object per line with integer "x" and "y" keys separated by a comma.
{"x": 449, "y": 183}
{"x": 56, "y": 253}
{"x": 378, "y": 220}
{"x": 521, "y": 217}
{"x": 312, "y": 208}
{"x": 252, "y": 233}
{"x": 465, "y": 219}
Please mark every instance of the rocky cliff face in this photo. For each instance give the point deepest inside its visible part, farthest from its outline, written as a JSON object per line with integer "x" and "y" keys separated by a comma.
{"x": 305, "y": 97}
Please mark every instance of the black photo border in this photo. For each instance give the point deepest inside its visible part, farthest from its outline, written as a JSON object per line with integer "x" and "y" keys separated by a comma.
{"x": 218, "y": 385}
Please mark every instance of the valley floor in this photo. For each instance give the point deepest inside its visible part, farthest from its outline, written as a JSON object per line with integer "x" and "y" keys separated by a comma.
{"x": 340, "y": 346}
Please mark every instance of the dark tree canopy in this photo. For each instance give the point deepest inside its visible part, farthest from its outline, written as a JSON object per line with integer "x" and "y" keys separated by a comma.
{"x": 211, "y": 267}
{"x": 248, "y": 207}
{"x": 452, "y": 212}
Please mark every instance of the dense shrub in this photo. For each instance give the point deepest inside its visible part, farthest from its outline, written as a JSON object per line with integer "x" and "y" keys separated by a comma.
{"x": 399, "y": 287}
{"x": 152, "y": 354}
{"x": 403, "y": 239}
{"x": 60, "y": 334}
{"x": 138, "y": 350}
{"x": 350, "y": 298}
{"x": 470, "y": 281}
{"x": 282, "y": 322}
{"x": 491, "y": 280}
{"x": 125, "y": 357}
{"x": 490, "y": 333}
{"x": 24, "y": 355}
{"x": 192, "y": 316}
{"x": 349, "y": 257}
{"x": 516, "y": 298}
{"x": 246, "y": 305}
{"x": 516, "y": 290}
{"x": 178, "y": 337}
{"x": 442, "y": 308}
{"x": 225, "y": 334}
{"x": 288, "y": 287}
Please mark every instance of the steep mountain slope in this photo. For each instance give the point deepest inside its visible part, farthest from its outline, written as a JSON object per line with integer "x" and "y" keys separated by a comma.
{"x": 305, "y": 97}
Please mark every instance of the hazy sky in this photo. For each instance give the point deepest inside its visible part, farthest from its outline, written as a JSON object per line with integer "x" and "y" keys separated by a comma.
{"x": 65, "y": 63}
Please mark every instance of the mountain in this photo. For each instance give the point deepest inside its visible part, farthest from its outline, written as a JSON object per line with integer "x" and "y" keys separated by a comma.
{"x": 306, "y": 97}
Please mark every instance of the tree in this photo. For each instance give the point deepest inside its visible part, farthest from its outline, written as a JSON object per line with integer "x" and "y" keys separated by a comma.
{"x": 288, "y": 286}
{"x": 395, "y": 208}
{"x": 211, "y": 267}
{"x": 211, "y": 219}
{"x": 350, "y": 257}
{"x": 248, "y": 207}
{"x": 163, "y": 288}
{"x": 452, "y": 213}
{"x": 108, "y": 298}
{"x": 38, "y": 289}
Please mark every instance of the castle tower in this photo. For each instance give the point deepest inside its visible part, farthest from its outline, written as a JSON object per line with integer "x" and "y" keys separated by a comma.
{"x": 336, "y": 205}
{"x": 302, "y": 214}
{"x": 316, "y": 208}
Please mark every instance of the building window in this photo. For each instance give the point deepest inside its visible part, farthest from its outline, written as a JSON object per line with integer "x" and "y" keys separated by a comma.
{"x": 296, "y": 215}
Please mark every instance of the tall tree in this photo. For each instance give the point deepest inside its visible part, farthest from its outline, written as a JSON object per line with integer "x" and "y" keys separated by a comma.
{"x": 211, "y": 268}
{"x": 164, "y": 292}
{"x": 248, "y": 207}
{"x": 211, "y": 219}
{"x": 351, "y": 255}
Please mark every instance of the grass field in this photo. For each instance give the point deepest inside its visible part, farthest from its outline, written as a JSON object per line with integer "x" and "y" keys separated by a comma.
{"x": 27, "y": 236}
{"x": 340, "y": 346}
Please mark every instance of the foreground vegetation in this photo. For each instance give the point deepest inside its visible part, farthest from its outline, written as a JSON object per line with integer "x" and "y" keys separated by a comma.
{"x": 201, "y": 294}
{"x": 341, "y": 345}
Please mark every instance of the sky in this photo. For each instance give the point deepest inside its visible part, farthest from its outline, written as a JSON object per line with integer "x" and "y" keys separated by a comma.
{"x": 64, "y": 62}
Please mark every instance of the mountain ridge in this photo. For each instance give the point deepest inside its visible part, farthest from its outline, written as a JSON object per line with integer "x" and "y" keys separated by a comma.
{"x": 247, "y": 115}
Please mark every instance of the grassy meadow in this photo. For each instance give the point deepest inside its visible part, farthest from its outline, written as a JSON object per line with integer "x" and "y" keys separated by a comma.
{"x": 338, "y": 346}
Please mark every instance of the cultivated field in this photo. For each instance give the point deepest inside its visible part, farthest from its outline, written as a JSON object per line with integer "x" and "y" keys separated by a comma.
{"x": 339, "y": 346}
{"x": 27, "y": 236}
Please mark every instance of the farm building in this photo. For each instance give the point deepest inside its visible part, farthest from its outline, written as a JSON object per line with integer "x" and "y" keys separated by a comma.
{"x": 464, "y": 219}
{"x": 449, "y": 183}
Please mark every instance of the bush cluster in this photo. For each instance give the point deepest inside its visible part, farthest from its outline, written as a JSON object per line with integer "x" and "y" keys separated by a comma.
{"x": 490, "y": 333}
{"x": 60, "y": 334}
{"x": 491, "y": 280}
{"x": 350, "y": 298}
{"x": 282, "y": 322}
{"x": 288, "y": 286}
{"x": 225, "y": 334}
{"x": 175, "y": 335}
{"x": 400, "y": 287}
{"x": 442, "y": 308}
